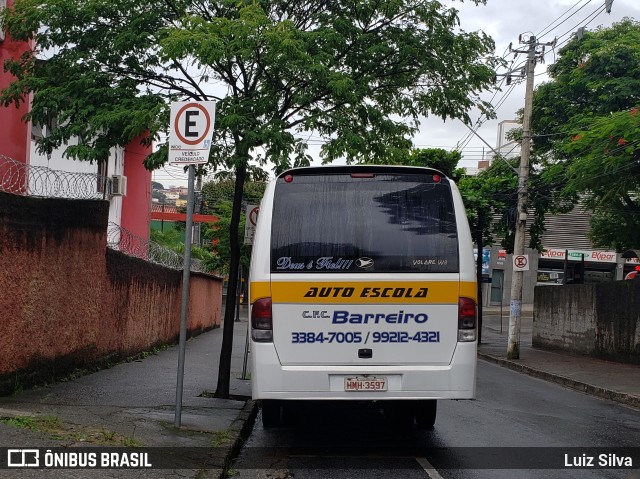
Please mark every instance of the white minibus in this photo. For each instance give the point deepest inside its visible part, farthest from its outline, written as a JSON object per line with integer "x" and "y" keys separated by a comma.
{"x": 362, "y": 288}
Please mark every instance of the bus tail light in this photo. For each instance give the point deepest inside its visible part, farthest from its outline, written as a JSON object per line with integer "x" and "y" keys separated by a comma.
{"x": 467, "y": 320}
{"x": 262, "y": 321}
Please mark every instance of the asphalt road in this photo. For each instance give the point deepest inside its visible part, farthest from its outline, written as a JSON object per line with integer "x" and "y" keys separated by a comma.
{"x": 517, "y": 426}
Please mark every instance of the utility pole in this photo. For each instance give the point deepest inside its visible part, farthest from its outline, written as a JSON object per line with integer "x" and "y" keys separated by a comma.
{"x": 513, "y": 347}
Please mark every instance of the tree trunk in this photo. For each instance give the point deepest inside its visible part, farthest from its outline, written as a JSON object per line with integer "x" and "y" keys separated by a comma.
{"x": 224, "y": 370}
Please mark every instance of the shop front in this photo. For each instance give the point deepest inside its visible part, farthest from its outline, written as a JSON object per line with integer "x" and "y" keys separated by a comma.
{"x": 576, "y": 266}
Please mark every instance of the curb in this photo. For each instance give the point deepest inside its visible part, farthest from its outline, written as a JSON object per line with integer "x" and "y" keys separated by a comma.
{"x": 240, "y": 430}
{"x": 621, "y": 398}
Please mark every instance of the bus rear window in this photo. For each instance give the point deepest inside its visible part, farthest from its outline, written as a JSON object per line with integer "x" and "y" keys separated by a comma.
{"x": 385, "y": 223}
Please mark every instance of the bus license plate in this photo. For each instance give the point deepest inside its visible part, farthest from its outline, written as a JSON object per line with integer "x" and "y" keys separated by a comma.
{"x": 365, "y": 384}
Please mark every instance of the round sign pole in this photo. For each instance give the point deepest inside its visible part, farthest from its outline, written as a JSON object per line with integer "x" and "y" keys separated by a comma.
{"x": 185, "y": 296}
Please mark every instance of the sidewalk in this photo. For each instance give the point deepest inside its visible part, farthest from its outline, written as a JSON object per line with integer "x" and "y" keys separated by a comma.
{"x": 606, "y": 379}
{"x": 133, "y": 405}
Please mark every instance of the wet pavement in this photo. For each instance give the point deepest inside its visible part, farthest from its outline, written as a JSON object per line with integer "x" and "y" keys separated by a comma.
{"x": 606, "y": 379}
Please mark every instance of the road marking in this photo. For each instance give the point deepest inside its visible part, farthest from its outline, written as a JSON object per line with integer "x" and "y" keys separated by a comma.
{"x": 428, "y": 468}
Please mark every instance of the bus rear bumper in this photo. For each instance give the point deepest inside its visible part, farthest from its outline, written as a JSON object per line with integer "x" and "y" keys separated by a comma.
{"x": 271, "y": 380}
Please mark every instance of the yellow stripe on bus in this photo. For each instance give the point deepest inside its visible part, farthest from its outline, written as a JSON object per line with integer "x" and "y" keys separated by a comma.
{"x": 259, "y": 289}
{"x": 370, "y": 292}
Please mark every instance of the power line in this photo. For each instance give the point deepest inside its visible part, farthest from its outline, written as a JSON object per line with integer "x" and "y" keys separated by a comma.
{"x": 547, "y": 29}
{"x": 484, "y": 118}
{"x": 596, "y": 13}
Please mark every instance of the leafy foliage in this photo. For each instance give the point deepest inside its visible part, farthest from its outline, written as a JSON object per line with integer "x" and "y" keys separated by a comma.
{"x": 218, "y": 200}
{"x": 437, "y": 158}
{"x": 587, "y": 127}
{"x": 159, "y": 195}
{"x": 488, "y": 195}
{"x": 173, "y": 239}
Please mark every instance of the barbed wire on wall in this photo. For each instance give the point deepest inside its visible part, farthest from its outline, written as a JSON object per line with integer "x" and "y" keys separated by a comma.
{"x": 27, "y": 180}
{"x": 22, "y": 179}
{"x": 121, "y": 239}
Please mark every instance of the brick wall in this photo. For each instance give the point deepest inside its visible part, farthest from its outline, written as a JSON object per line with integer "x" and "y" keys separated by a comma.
{"x": 600, "y": 320}
{"x": 68, "y": 301}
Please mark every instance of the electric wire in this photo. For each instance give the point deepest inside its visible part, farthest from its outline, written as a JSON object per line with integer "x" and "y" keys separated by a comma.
{"x": 547, "y": 29}
{"x": 589, "y": 19}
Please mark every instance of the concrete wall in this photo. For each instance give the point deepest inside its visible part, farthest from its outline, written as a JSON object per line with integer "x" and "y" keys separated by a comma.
{"x": 600, "y": 320}
{"x": 68, "y": 301}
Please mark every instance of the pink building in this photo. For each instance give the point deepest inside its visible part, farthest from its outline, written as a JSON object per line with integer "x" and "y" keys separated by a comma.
{"x": 132, "y": 211}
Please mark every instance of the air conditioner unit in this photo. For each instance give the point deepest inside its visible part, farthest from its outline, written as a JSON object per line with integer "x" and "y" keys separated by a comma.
{"x": 118, "y": 185}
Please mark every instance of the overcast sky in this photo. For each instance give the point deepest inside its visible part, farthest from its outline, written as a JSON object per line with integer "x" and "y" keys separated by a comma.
{"x": 504, "y": 20}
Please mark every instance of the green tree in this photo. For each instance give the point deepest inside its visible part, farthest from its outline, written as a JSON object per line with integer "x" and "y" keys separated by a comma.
{"x": 488, "y": 196}
{"x": 442, "y": 160}
{"x": 218, "y": 200}
{"x": 357, "y": 73}
{"x": 587, "y": 131}
{"x": 173, "y": 239}
{"x": 490, "y": 199}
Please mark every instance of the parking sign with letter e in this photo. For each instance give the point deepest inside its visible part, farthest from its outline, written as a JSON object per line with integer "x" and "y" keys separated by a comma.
{"x": 190, "y": 133}
{"x": 521, "y": 262}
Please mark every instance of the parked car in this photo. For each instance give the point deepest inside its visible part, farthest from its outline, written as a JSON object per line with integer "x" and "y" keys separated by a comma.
{"x": 633, "y": 274}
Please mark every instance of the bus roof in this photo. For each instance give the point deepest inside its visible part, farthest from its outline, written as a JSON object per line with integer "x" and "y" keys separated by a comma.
{"x": 348, "y": 169}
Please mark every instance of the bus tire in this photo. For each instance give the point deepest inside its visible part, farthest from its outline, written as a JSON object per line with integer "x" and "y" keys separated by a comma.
{"x": 425, "y": 413}
{"x": 270, "y": 413}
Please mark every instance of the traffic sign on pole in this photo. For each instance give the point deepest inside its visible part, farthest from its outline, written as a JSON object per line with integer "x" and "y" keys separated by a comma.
{"x": 190, "y": 132}
{"x": 521, "y": 262}
{"x": 250, "y": 223}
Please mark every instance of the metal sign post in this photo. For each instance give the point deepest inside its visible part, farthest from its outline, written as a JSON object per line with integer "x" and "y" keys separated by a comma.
{"x": 191, "y": 129}
{"x": 186, "y": 275}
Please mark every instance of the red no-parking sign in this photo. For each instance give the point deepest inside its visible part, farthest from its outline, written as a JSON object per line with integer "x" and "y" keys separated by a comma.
{"x": 521, "y": 262}
{"x": 190, "y": 133}
{"x": 250, "y": 224}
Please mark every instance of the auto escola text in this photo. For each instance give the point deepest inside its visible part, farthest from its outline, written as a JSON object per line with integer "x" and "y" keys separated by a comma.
{"x": 365, "y": 292}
